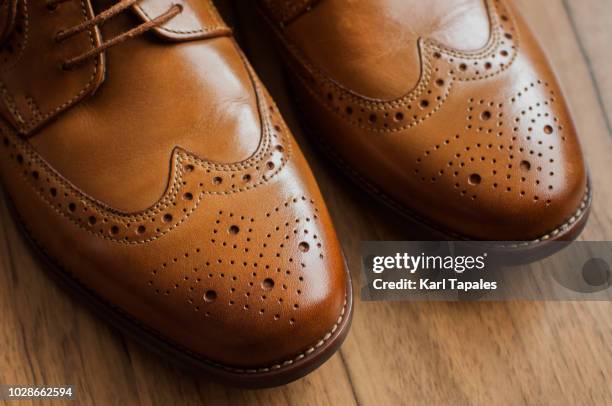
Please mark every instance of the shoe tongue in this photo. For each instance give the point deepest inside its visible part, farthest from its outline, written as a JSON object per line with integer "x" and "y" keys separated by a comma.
{"x": 8, "y": 15}
{"x": 198, "y": 19}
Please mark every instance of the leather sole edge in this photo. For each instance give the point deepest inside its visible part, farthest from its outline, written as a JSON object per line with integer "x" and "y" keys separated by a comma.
{"x": 258, "y": 377}
{"x": 567, "y": 231}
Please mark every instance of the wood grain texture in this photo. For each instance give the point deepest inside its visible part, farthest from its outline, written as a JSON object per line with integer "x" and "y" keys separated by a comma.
{"x": 397, "y": 353}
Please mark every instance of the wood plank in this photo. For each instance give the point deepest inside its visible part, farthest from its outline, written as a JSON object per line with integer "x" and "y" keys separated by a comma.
{"x": 590, "y": 20}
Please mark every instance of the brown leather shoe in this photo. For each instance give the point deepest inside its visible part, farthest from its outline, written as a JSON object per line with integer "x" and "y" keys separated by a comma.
{"x": 446, "y": 110}
{"x": 148, "y": 163}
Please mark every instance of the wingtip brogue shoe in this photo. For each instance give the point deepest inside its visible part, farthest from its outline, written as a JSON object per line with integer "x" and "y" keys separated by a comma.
{"x": 448, "y": 111}
{"x": 147, "y": 162}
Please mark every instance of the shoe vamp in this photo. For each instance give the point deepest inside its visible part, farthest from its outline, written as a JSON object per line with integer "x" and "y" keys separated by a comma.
{"x": 117, "y": 144}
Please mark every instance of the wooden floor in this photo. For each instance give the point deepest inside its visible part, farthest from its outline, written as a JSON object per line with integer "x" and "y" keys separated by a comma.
{"x": 397, "y": 353}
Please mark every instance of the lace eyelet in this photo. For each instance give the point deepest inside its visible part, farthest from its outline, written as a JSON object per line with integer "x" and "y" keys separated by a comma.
{"x": 51, "y": 7}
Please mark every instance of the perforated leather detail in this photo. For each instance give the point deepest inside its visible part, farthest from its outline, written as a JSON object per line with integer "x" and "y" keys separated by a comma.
{"x": 483, "y": 147}
{"x": 191, "y": 180}
{"x": 230, "y": 270}
{"x": 528, "y": 151}
{"x": 441, "y": 68}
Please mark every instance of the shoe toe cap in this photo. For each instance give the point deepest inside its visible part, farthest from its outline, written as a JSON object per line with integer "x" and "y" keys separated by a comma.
{"x": 263, "y": 281}
{"x": 483, "y": 147}
{"x": 237, "y": 264}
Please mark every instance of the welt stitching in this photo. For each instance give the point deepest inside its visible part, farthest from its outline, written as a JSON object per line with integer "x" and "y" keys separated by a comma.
{"x": 179, "y": 347}
{"x": 402, "y": 209}
{"x": 286, "y": 363}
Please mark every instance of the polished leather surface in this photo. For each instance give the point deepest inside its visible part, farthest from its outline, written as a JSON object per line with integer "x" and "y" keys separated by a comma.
{"x": 446, "y": 109}
{"x": 161, "y": 176}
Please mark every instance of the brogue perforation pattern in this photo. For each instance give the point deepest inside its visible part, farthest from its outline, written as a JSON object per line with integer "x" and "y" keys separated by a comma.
{"x": 215, "y": 275}
{"x": 441, "y": 68}
{"x": 191, "y": 180}
{"x": 527, "y": 152}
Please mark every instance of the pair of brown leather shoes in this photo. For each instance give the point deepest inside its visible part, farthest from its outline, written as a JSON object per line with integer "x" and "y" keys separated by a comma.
{"x": 147, "y": 162}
